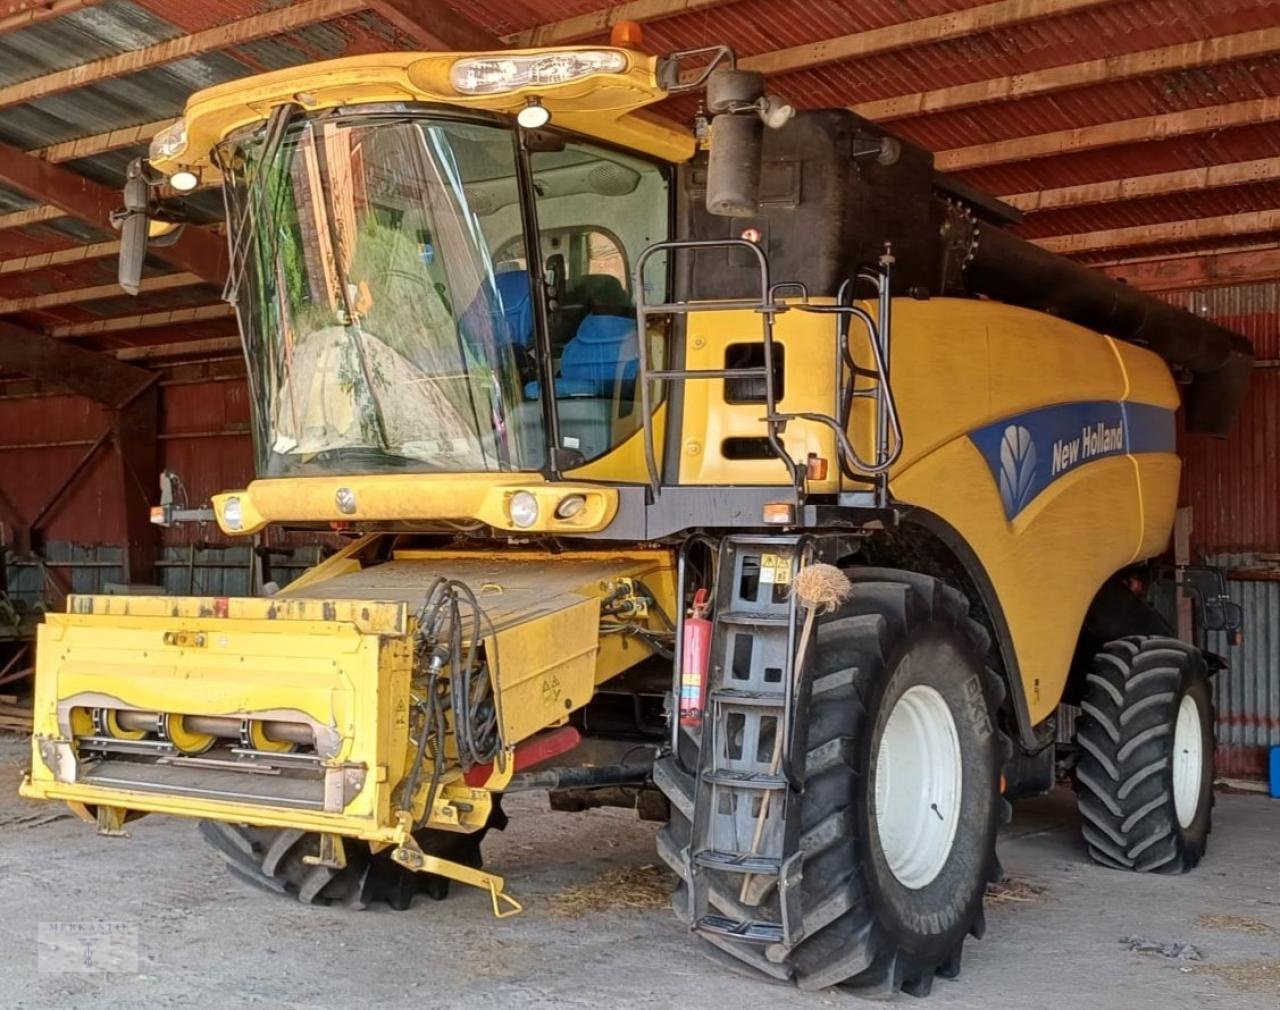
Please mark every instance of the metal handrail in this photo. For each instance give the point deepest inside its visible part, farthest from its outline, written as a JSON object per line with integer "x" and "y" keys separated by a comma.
{"x": 767, "y": 308}
{"x": 888, "y": 425}
{"x": 886, "y": 408}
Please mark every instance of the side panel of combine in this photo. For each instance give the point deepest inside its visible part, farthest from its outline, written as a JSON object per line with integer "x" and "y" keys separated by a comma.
{"x": 723, "y": 439}
{"x": 1053, "y": 485}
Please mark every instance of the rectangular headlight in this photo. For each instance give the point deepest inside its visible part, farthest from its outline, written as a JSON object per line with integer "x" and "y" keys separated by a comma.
{"x": 488, "y": 75}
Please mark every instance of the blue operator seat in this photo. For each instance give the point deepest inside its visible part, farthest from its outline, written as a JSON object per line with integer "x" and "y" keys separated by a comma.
{"x": 596, "y": 386}
{"x": 501, "y": 314}
{"x": 517, "y": 305}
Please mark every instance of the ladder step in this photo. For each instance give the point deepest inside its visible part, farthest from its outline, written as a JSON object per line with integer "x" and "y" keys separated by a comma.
{"x": 761, "y": 540}
{"x": 746, "y": 780}
{"x": 737, "y": 862}
{"x": 748, "y": 617}
{"x": 735, "y": 929}
{"x": 739, "y": 696}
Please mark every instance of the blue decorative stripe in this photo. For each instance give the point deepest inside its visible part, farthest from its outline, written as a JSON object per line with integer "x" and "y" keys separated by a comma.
{"x": 1028, "y": 452}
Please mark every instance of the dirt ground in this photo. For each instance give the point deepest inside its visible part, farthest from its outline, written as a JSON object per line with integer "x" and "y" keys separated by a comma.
{"x": 1054, "y": 938}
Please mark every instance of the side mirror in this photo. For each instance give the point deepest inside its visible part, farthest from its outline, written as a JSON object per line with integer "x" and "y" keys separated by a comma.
{"x": 134, "y": 224}
{"x": 1222, "y": 615}
{"x": 740, "y": 112}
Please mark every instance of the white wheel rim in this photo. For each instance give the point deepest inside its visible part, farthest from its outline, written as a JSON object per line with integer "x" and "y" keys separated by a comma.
{"x": 1188, "y": 761}
{"x": 918, "y": 781}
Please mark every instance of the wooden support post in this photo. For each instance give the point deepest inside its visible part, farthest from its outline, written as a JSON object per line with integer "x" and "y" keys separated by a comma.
{"x": 135, "y": 431}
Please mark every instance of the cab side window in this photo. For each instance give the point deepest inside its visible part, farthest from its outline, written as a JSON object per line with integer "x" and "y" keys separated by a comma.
{"x": 598, "y": 210}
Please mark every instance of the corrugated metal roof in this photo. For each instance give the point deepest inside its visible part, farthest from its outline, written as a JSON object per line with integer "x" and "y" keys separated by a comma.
{"x": 115, "y": 26}
{"x": 752, "y": 27}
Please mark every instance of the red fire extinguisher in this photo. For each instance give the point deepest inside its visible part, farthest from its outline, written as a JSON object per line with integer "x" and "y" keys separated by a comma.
{"x": 695, "y": 654}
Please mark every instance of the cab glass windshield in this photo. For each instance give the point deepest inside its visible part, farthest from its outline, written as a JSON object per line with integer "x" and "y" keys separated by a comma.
{"x": 380, "y": 274}
{"x": 377, "y": 327}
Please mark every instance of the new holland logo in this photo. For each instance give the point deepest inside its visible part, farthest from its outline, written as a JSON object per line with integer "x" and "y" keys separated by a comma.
{"x": 1030, "y": 451}
{"x": 1017, "y": 468}
{"x": 1098, "y": 440}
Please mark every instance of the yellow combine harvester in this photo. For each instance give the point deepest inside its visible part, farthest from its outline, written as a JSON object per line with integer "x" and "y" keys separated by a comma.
{"x": 589, "y": 391}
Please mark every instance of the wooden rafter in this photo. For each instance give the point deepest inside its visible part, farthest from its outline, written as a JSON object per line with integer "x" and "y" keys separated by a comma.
{"x": 98, "y": 376}
{"x": 31, "y": 12}
{"x": 61, "y": 257}
{"x": 435, "y": 25}
{"x": 1136, "y": 187}
{"x": 179, "y": 348}
{"x": 34, "y": 303}
{"x": 921, "y": 31}
{"x": 100, "y": 143}
{"x": 1248, "y": 223}
{"x": 1128, "y": 131}
{"x": 29, "y": 216}
{"x": 598, "y": 22}
{"x": 1124, "y": 258}
{"x": 1183, "y": 56}
{"x": 258, "y": 26}
{"x": 143, "y": 321}
{"x": 1210, "y": 270}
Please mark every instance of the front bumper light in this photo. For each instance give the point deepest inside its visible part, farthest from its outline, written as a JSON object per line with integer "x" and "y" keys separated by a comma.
{"x": 522, "y": 508}
{"x": 233, "y": 514}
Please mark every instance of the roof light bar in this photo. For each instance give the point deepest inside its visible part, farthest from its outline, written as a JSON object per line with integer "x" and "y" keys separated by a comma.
{"x": 489, "y": 75}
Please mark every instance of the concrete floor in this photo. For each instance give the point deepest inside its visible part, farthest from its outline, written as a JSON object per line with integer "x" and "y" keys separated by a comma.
{"x": 205, "y": 940}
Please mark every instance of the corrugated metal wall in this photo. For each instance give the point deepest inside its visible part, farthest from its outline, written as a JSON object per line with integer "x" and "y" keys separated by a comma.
{"x": 1247, "y": 695}
{"x": 1233, "y": 488}
{"x": 1232, "y": 485}
{"x": 204, "y": 436}
{"x": 183, "y": 570}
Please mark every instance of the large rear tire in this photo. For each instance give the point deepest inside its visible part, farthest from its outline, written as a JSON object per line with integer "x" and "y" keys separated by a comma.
{"x": 1144, "y": 782}
{"x": 887, "y": 898}
{"x": 272, "y": 859}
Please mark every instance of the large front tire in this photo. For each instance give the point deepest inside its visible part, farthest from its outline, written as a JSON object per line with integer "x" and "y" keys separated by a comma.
{"x": 1144, "y": 782}
{"x": 887, "y": 900}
